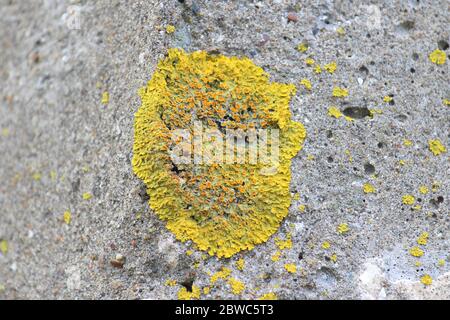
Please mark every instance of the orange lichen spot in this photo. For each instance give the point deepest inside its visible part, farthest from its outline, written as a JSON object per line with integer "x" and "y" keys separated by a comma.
{"x": 334, "y": 112}
{"x": 423, "y": 189}
{"x": 426, "y": 280}
{"x": 438, "y": 57}
{"x": 170, "y": 28}
{"x": 236, "y": 286}
{"x": 268, "y": 296}
{"x": 330, "y": 67}
{"x": 87, "y": 196}
{"x": 416, "y": 252}
{"x": 326, "y": 245}
{"x": 408, "y": 199}
{"x": 4, "y": 247}
{"x": 171, "y": 282}
{"x": 184, "y": 294}
{"x": 67, "y": 217}
{"x": 290, "y": 267}
{"x": 105, "y": 98}
{"x": 436, "y": 147}
{"x": 276, "y": 256}
{"x": 423, "y": 238}
{"x": 302, "y": 47}
{"x": 368, "y": 188}
{"x": 222, "y": 208}
{"x": 306, "y": 83}
{"x": 343, "y": 228}
{"x": 240, "y": 264}
{"x": 340, "y": 92}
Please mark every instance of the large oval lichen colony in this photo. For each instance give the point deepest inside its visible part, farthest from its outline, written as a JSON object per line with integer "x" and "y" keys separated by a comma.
{"x": 221, "y": 207}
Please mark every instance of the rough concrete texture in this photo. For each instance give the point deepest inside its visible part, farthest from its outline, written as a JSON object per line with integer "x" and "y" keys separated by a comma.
{"x": 58, "y": 141}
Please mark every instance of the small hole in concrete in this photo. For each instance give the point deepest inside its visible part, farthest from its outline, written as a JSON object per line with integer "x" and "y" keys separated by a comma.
{"x": 380, "y": 145}
{"x": 415, "y": 56}
{"x": 412, "y": 70}
{"x": 369, "y": 168}
{"x": 330, "y": 159}
{"x": 188, "y": 284}
{"x": 356, "y": 112}
{"x": 443, "y": 45}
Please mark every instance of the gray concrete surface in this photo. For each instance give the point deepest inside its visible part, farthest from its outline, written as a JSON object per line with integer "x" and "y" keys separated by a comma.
{"x": 59, "y": 141}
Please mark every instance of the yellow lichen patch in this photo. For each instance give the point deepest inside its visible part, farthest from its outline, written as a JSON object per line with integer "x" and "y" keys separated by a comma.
{"x": 105, "y": 98}
{"x": 236, "y": 286}
{"x": 333, "y": 257}
{"x": 309, "y": 61}
{"x": 306, "y": 83}
{"x": 446, "y": 102}
{"x": 408, "y": 199}
{"x": 401, "y": 162}
{"x": 426, "y": 280}
{"x": 423, "y": 189}
{"x": 436, "y": 147}
{"x": 343, "y": 228}
{"x": 170, "y": 29}
{"x": 171, "y": 282}
{"x": 317, "y": 69}
{"x": 416, "y": 252}
{"x": 435, "y": 186}
{"x": 302, "y": 208}
{"x": 407, "y": 143}
{"x": 334, "y": 112}
{"x": 206, "y": 290}
{"x": 284, "y": 244}
{"x": 302, "y": 47}
{"x": 5, "y": 132}
{"x": 87, "y": 196}
{"x": 224, "y": 273}
{"x": 437, "y": 57}
{"x": 418, "y": 264}
{"x": 37, "y": 176}
{"x": 387, "y": 98}
{"x": 184, "y": 294}
{"x": 340, "y": 31}
{"x": 67, "y": 217}
{"x": 189, "y": 252}
{"x": 268, "y": 296}
{"x": 417, "y": 207}
{"x": 326, "y": 245}
{"x": 276, "y": 256}
{"x": 240, "y": 264}
{"x": 441, "y": 263}
{"x": 423, "y": 238}
{"x": 290, "y": 267}
{"x": 3, "y": 246}
{"x": 340, "y": 92}
{"x": 330, "y": 67}
{"x": 226, "y": 207}
{"x": 368, "y": 188}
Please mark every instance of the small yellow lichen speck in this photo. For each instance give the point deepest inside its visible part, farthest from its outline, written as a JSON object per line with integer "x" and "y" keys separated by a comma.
{"x": 105, "y": 98}
{"x": 189, "y": 252}
{"x": 171, "y": 282}
{"x": 368, "y": 188}
{"x": 334, "y": 112}
{"x": 290, "y": 267}
{"x": 437, "y": 57}
{"x": 37, "y": 176}
{"x": 343, "y": 228}
{"x": 306, "y": 83}
{"x": 184, "y": 294}
{"x": 417, "y": 207}
{"x": 426, "y": 280}
{"x": 326, "y": 245}
{"x": 423, "y": 238}
{"x": 222, "y": 208}
{"x": 436, "y": 147}
{"x": 170, "y": 29}
{"x": 418, "y": 264}
{"x": 240, "y": 264}
{"x": 236, "y": 286}
{"x": 407, "y": 143}
{"x": 5, "y": 132}
{"x": 416, "y": 252}
{"x": 302, "y": 47}
{"x": 302, "y": 208}
{"x": 408, "y": 199}
{"x": 317, "y": 69}
{"x": 340, "y": 31}
{"x": 87, "y": 196}
{"x": 441, "y": 262}
{"x": 401, "y": 162}
{"x": 284, "y": 244}
{"x": 206, "y": 290}
{"x": 309, "y": 61}
{"x": 224, "y": 273}
{"x": 276, "y": 256}
{"x": 268, "y": 296}
{"x": 330, "y": 67}
{"x": 67, "y": 217}
{"x": 333, "y": 257}
{"x": 340, "y": 92}
{"x": 423, "y": 189}
{"x": 446, "y": 102}
{"x": 387, "y": 98}
{"x": 3, "y": 246}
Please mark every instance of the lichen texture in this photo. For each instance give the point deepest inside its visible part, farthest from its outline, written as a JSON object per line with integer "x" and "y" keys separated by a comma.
{"x": 222, "y": 208}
